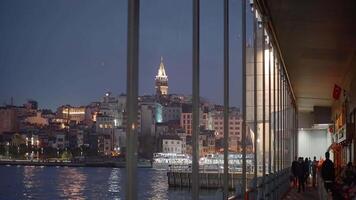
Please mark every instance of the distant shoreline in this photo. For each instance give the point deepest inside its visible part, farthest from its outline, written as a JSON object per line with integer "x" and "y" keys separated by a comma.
{"x": 68, "y": 164}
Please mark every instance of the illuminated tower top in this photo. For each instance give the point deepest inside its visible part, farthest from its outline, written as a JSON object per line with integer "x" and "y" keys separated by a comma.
{"x": 161, "y": 71}
{"x": 161, "y": 80}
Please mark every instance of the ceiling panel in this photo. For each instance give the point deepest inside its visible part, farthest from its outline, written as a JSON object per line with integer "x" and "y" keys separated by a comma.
{"x": 317, "y": 40}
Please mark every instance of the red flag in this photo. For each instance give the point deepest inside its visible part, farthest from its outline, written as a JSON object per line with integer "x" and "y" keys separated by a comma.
{"x": 336, "y": 92}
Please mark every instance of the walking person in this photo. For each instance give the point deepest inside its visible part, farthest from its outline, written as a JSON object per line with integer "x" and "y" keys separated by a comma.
{"x": 306, "y": 171}
{"x": 294, "y": 171}
{"x": 314, "y": 169}
{"x": 300, "y": 174}
{"x": 328, "y": 173}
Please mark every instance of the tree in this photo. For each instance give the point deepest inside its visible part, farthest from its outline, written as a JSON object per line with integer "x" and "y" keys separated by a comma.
{"x": 66, "y": 155}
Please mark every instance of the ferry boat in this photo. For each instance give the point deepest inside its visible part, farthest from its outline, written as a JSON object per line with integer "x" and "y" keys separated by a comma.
{"x": 171, "y": 161}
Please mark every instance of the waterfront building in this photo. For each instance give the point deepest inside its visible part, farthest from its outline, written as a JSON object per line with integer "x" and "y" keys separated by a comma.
{"x": 31, "y": 105}
{"x": 48, "y": 114}
{"x": 105, "y": 124}
{"x": 38, "y": 120}
{"x": 207, "y": 143}
{"x": 71, "y": 113}
{"x": 119, "y": 139}
{"x": 186, "y": 118}
{"x": 171, "y": 144}
{"x": 234, "y": 129}
{"x": 168, "y": 128}
{"x": 113, "y": 106}
{"x": 110, "y": 120}
{"x": 91, "y": 111}
{"x": 150, "y": 113}
{"x": 171, "y": 112}
{"x": 60, "y": 140}
{"x": 111, "y": 113}
{"x": 162, "y": 129}
{"x": 8, "y": 119}
{"x": 183, "y": 137}
{"x": 105, "y": 145}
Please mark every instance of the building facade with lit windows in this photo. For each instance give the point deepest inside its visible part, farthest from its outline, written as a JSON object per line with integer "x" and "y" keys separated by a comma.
{"x": 171, "y": 112}
{"x": 149, "y": 116}
{"x": 37, "y": 120}
{"x": 234, "y": 129}
{"x": 172, "y": 144}
{"x": 186, "y": 118}
{"x": 8, "y": 119}
{"x": 71, "y": 113}
{"x": 111, "y": 113}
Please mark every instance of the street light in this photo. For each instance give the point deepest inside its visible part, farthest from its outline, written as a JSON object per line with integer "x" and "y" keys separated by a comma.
{"x": 7, "y": 149}
{"x": 38, "y": 152}
{"x": 27, "y": 147}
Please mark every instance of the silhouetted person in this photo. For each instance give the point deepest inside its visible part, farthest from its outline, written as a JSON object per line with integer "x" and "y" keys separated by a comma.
{"x": 314, "y": 168}
{"x": 328, "y": 173}
{"x": 294, "y": 171}
{"x": 310, "y": 165}
{"x": 300, "y": 171}
{"x": 306, "y": 170}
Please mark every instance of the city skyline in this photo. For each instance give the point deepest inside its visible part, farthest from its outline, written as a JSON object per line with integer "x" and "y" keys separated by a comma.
{"x": 72, "y": 53}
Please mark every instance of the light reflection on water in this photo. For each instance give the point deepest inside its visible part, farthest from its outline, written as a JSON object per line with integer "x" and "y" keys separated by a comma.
{"x": 71, "y": 184}
{"x": 29, "y": 181}
{"x": 26, "y": 182}
{"x": 158, "y": 186}
{"x": 114, "y": 183}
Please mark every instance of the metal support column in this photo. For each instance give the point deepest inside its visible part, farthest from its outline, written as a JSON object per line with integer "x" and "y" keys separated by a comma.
{"x": 274, "y": 114}
{"x": 132, "y": 94}
{"x": 279, "y": 116}
{"x": 226, "y": 99}
{"x": 255, "y": 93}
{"x": 263, "y": 105}
{"x": 282, "y": 121}
{"x": 269, "y": 112}
{"x": 243, "y": 60}
{"x": 196, "y": 100}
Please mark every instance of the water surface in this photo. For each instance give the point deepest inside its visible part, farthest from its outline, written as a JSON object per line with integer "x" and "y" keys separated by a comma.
{"x": 29, "y": 182}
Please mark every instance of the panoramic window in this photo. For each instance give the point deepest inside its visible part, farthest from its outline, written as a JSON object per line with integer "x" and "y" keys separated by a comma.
{"x": 159, "y": 99}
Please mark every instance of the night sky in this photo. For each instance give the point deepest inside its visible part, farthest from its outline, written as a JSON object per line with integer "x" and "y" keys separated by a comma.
{"x": 73, "y": 51}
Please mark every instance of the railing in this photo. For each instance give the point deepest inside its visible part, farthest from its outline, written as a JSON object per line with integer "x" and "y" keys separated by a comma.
{"x": 214, "y": 168}
{"x": 274, "y": 186}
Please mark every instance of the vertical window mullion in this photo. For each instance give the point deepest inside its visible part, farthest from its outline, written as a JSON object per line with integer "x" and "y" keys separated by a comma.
{"x": 132, "y": 94}
{"x": 226, "y": 97}
{"x": 269, "y": 112}
{"x": 196, "y": 100}
{"x": 243, "y": 60}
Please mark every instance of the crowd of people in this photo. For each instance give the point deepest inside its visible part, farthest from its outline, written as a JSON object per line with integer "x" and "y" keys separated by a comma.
{"x": 342, "y": 186}
{"x": 301, "y": 171}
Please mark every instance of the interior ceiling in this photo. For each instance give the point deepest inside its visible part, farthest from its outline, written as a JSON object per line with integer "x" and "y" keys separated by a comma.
{"x": 317, "y": 39}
